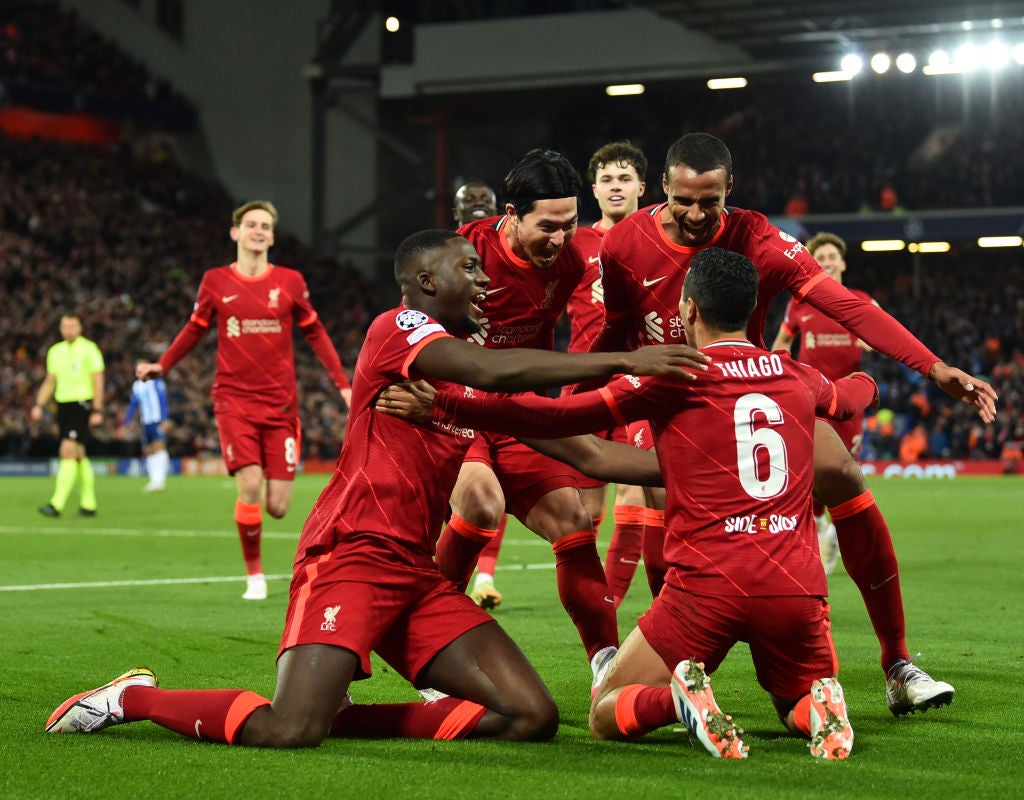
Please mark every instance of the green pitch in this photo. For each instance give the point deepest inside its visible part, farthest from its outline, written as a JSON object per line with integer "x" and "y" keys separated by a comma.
{"x": 154, "y": 580}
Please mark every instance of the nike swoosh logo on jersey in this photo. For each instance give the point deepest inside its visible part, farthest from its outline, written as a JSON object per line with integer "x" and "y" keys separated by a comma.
{"x": 880, "y": 584}
{"x": 495, "y": 291}
{"x": 656, "y": 280}
{"x": 806, "y": 317}
{"x": 593, "y": 259}
{"x": 228, "y": 298}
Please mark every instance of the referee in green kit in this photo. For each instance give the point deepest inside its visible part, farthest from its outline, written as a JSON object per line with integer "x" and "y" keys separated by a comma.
{"x": 74, "y": 378}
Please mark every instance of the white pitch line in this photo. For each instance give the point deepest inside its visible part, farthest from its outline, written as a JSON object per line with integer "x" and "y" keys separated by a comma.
{"x": 111, "y": 584}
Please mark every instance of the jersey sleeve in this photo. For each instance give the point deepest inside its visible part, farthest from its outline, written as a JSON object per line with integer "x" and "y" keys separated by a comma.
{"x": 790, "y": 324}
{"x": 841, "y": 399}
{"x": 195, "y": 329}
{"x": 549, "y": 418}
{"x": 870, "y": 323}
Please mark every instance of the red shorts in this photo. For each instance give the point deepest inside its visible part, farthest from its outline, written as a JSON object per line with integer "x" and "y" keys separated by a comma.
{"x": 524, "y": 474}
{"x": 365, "y": 596}
{"x": 275, "y": 444}
{"x": 789, "y": 637}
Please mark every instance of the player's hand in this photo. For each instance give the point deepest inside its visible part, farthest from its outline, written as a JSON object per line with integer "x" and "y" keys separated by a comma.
{"x": 36, "y": 413}
{"x": 145, "y": 370}
{"x": 411, "y": 400}
{"x": 678, "y": 360}
{"x": 346, "y": 395}
{"x": 972, "y": 391}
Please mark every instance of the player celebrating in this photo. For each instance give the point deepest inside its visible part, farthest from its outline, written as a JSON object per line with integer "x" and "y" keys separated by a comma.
{"x": 254, "y": 305}
{"x": 534, "y": 268}
{"x": 474, "y": 200}
{"x": 618, "y": 170}
{"x": 379, "y": 516}
{"x": 645, "y": 259}
{"x": 829, "y": 347}
{"x": 741, "y": 544}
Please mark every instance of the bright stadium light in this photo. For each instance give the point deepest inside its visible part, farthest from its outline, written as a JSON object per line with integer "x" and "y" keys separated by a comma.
{"x": 727, "y": 83}
{"x": 967, "y": 57}
{"x": 880, "y": 63}
{"x": 997, "y": 56}
{"x": 624, "y": 89}
{"x": 1018, "y": 53}
{"x": 1000, "y": 241}
{"x": 831, "y": 76}
{"x": 929, "y": 247}
{"x": 882, "y": 245}
{"x": 851, "y": 63}
{"x": 939, "y": 63}
{"x": 906, "y": 63}
{"x": 392, "y": 24}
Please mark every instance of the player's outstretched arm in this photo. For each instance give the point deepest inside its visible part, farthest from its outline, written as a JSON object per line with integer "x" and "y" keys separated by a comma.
{"x": 972, "y": 391}
{"x": 611, "y": 462}
{"x": 520, "y": 370}
{"x": 602, "y": 460}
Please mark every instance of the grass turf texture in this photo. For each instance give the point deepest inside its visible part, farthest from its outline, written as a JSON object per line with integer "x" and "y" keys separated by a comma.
{"x": 963, "y": 581}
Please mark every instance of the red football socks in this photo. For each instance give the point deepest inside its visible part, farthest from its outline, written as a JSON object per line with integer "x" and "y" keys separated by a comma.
{"x": 623, "y": 554}
{"x": 641, "y": 709}
{"x": 489, "y": 555}
{"x": 213, "y": 715}
{"x": 249, "y": 519}
{"x": 447, "y": 718}
{"x": 458, "y": 549}
{"x": 870, "y": 560}
{"x": 583, "y": 591}
{"x": 654, "y": 550}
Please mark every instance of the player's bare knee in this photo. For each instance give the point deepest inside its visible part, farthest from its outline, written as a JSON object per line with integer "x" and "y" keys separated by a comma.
{"x": 837, "y": 480}
{"x": 537, "y": 722}
{"x": 276, "y": 509}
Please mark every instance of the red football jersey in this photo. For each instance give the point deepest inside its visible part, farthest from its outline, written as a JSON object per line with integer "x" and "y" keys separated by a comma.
{"x": 393, "y": 478}
{"x": 821, "y": 341}
{"x": 585, "y": 308}
{"x": 255, "y": 356}
{"x": 736, "y": 452}
{"x": 523, "y": 302}
{"x": 643, "y": 273}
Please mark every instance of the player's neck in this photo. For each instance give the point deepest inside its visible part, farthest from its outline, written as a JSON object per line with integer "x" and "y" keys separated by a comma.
{"x": 252, "y": 264}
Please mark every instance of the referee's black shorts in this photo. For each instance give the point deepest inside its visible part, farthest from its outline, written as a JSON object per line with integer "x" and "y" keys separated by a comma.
{"x": 73, "y": 420}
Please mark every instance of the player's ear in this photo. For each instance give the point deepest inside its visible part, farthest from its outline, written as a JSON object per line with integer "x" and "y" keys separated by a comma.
{"x": 690, "y": 311}
{"x": 235, "y": 233}
{"x": 425, "y": 280}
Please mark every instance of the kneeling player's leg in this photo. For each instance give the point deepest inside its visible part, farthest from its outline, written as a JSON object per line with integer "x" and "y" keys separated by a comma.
{"x": 864, "y": 540}
{"x": 635, "y": 697}
{"x": 486, "y": 668}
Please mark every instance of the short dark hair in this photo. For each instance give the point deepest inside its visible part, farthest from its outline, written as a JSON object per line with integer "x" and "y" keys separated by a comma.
{"x": 540, "y": 175}
{"x": 414, "y": 247}
{"x": 723, "y": 284}
{"x": 623, "y": 153}
{"x": 701, "y": 152}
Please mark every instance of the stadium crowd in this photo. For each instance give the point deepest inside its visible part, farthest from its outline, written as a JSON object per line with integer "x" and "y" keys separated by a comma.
{"x": 122, "y": 235}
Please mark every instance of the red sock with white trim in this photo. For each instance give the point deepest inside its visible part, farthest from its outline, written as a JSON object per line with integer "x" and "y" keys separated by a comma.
{"x": 489, "y": 555}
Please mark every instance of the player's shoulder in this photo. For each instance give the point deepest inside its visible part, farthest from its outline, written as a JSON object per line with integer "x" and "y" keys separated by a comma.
{"x": 637, "y": 226}
{"x": 482, "y": 229}
{"x": 404, "y": 320}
